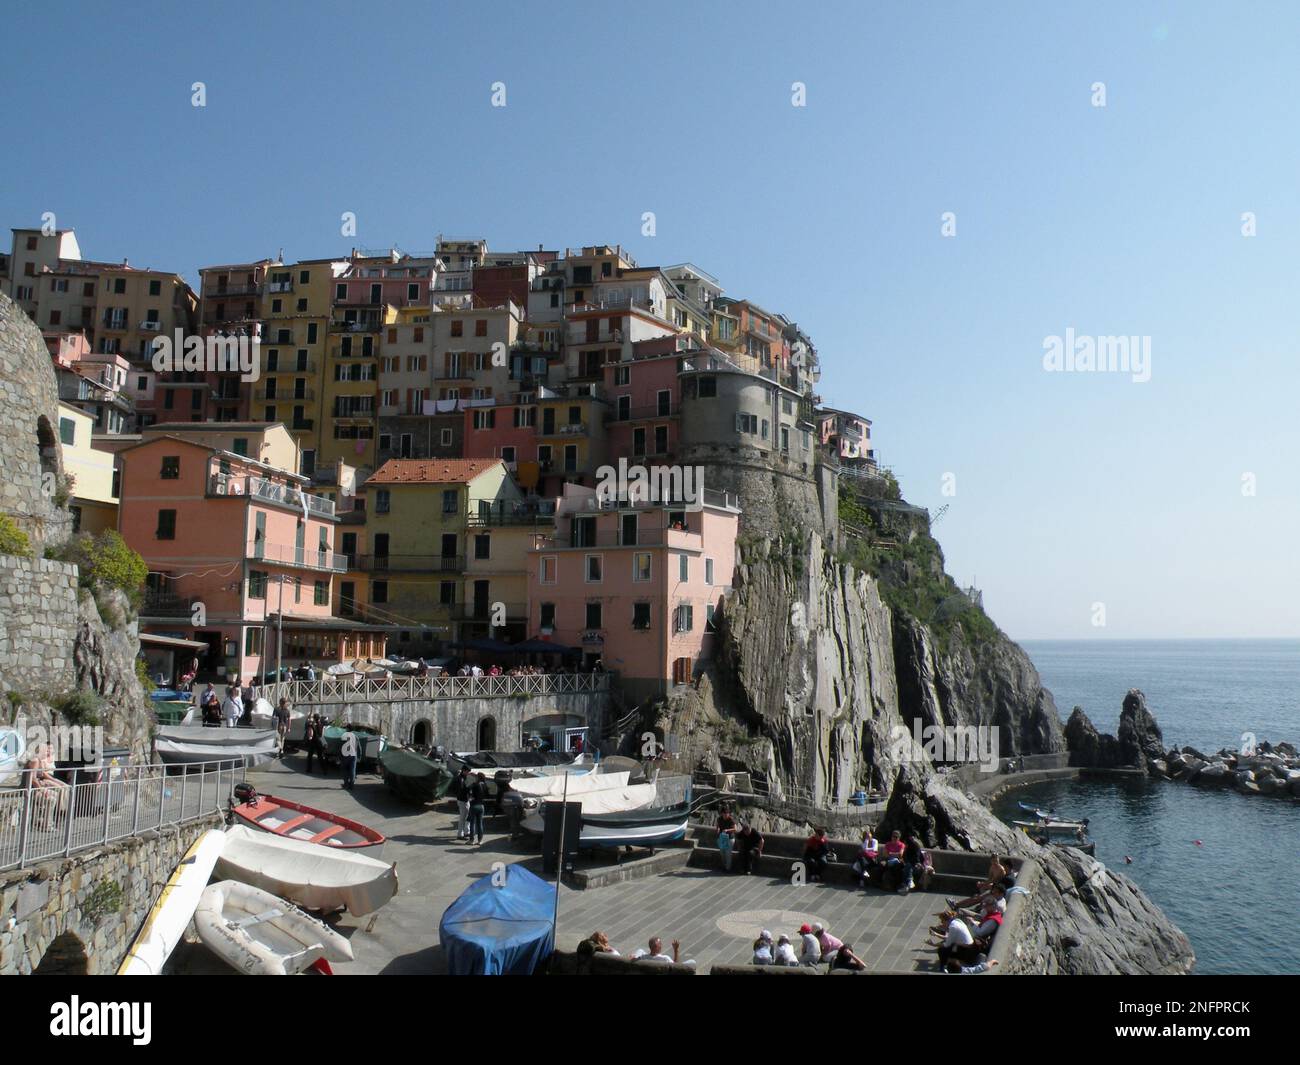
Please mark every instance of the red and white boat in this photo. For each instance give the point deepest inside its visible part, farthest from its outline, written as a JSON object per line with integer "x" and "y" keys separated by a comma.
{"x": 292, "y": 820}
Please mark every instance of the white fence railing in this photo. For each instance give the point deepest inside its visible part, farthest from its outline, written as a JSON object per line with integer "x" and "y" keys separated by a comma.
{"x": 355, "y": 689}
{"x": 38, "y": 823}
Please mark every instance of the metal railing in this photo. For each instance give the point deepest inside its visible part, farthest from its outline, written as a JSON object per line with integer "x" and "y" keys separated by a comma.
{"x": 292, "y": 555}
{"x": 355, "y": 689}
{"x": 38, "y": 824}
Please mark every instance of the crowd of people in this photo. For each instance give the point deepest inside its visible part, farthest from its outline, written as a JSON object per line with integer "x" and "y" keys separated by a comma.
{"x": 598, "y": 943}
{"x": 966, "y": 928}
{"x": 817, "y": 946}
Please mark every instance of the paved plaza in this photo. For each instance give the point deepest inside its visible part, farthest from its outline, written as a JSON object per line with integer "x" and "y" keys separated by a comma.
{"x": 715, "y": 916}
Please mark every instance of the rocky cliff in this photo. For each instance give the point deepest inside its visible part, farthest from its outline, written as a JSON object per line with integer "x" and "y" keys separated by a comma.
{"x": 1080, "y": 918}
{"x": 815, "y": 673}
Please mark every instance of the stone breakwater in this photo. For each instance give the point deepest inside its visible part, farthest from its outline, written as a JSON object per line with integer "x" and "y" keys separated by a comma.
{"x": 1263, "y": 769}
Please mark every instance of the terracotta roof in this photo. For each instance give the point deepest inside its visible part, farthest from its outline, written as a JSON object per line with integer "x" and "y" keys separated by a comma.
{"x": 431, "y": 471}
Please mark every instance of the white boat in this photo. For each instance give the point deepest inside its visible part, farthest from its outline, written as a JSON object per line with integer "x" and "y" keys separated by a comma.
{"x": 261, "y": 935}
{"x": 339, "y": 669}
{"x": 180, "y": 744}
{"x": 170, "y": 915}
{"x": 601, "y": 801}
{"x": 314, "y": 877}
{"x": 553, "y": 786}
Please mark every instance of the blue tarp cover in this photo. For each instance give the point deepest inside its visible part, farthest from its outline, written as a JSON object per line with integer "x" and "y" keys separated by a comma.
{"x": 495, "y": 931}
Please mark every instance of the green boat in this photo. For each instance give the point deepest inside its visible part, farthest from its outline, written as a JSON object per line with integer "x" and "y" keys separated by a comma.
{"x": 414, "y": 776}
{"x": 370, "y": 742}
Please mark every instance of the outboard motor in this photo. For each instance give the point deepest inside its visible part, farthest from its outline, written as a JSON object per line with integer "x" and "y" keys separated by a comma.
{"x": 245, "y": 792}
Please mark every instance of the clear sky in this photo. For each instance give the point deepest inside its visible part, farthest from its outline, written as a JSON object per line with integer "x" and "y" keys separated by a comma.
{"x": 1071, "y": 489}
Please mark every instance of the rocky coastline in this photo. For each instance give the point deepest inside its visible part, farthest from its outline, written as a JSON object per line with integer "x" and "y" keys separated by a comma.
{"x": 1253, "y": 769}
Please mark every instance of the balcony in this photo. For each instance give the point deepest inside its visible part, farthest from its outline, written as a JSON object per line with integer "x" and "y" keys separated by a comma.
{"x": 289, "y": 555}
{"x": 571, "y": 429}
{"x": 219, "y": 397}
{"x": 296, "y": 397}
{"x": 605, "y": 538}
{"x": 278, "y": 342}
{"x": 410, "y": 563}
{"x": 543, "y": 513}
{"x": 264, "y": 491}
{"x": 279, "y": 286}
{"x": 232, "y": 290}
{"x": 303, "y": 424}
{"x": 158, "y": 604}
{"x": 293, "y": 367}
{"x": 365, "y": 325}
{"x": 647, "y": 413}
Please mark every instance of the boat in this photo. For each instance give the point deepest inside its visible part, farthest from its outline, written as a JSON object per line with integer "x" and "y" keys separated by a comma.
{"x": 340, "y": 669}
{"x": 646, "y": 827}
{"x": 292, "y": 820}
{"x": 311, "y": 876}
{"x": 181, "y": 744}
{"x": 261, "y": 935}
{"x": 171, "y": 914}
{"x": 1038, "y": 812}
{"x": 370, "y": 742}
{"x": 1053, "y": 828}
{"x": 414, "y": 776}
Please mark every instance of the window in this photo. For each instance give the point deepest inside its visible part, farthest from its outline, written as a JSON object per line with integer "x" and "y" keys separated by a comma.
{"x": 622, "y": 375}
{"x": 256, "y": 584}
{"x": 684, "y": 618}
{"x": 683, "y": 567}
{"x": 485, "y": 419}
{"x": 240, "y": 445}
{"x": 747, "y": 423}
{"x": 166, "y": 525}
{"x": 482, "y": 546}
{"x": 548, "y": 616}
{"x": 412, "y": 292}
{"x": 708, "y": 388}
{"x": 253, "y": 638}
{"x": 593, "y": 616}
{"x": 67, "y": 430}
{"x": 570, "y": 458}
{"x": 480, "y": 327}
{"x": 709, "y": 625}
{"x": 507, "y": 455}
{"x": 638, "y": 441}
{"x": 661, "y": 440}
{"x": 450, "y": 501}
{"x": 547, "y": 570}
{"x": 322, "y": 596}
{"x": 379, "y": 591}
{"x": 444, "y": 437}
{"x": 785, "y": 440}
{"x": 458, "y": 328}
{"x": 383, "y": 501}
{"x": 447, "y": 593}
{"x": 640, "y": 615}
{"x": 593, "y": 569}
{"x": 708, "y": 571}
{"x": 641, "y": 566}
{"x": 119, "y": 286}
{"x": 341, "y": 293}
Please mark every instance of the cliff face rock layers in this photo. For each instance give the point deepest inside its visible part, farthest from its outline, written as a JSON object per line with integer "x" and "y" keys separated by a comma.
{"x": 814, "y": 676}
{"x": 1080, "y": 917}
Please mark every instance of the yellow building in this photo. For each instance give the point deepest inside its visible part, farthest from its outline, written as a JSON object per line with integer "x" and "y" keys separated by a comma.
{"x": 418, "y": 536}
{"x": 296, "y": 303}
{"x": 93, "y": 497}
{"x": 269, "y": 443}
{"x": 571, "y": 432}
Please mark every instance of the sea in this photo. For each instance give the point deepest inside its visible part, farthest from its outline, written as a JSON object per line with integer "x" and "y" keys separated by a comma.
{"x": 1225, "y": 867}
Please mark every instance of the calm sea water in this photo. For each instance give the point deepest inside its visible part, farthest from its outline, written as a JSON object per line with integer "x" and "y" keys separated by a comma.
{"x": 1237, "y": 891}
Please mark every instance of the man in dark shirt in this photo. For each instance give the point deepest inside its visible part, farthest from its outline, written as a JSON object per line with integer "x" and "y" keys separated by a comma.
{"x": 749, "y": 842}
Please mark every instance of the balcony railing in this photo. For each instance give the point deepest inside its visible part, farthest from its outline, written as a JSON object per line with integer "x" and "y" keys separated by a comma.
{"x": 411, "y": 563}
{"x": 166, "y": 605}
{"x": 296, "y": 397}
{"x": 368, "y": 325}
{"x": 259, "y": 488}
{"x": 232, "y": 290}
{"x": 292, "y": 555}
{"x": 279, "y": 286}
{"x": 513, "y": 514}
{"x": 636, "y": 414}
{"x": 302, "y": 693}
{"x": 607, "y": 538}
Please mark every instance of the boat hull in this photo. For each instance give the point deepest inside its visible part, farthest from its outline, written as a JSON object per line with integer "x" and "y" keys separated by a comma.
{"x": 413, "y": 776}
{"x": 170, "y": 915}
{"x": 292, "y": 820}
{"x": 187, "y": 744}
{"x": 258, "y": 934}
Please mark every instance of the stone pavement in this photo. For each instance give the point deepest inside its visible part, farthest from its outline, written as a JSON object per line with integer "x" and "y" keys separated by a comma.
{"x": 715, "y": 916}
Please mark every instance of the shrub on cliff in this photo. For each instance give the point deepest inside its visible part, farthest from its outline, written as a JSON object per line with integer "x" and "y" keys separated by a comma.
{"x": 13, "y": 541}
{"x": 105, "y": 562}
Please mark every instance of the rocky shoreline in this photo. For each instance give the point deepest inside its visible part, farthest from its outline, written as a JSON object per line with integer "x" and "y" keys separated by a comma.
{"x": 1263, "y": 769}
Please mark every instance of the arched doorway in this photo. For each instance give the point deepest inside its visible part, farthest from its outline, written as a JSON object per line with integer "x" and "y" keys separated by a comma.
{"x": 487, "y": 734}
{"x": 65, "y": 956}
{"x": 422, "y": 734}
{"x": 49, "y": 446}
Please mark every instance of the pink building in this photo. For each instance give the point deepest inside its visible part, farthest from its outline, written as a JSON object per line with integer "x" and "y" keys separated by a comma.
{"x": 635, "y": 585}
{"x": 644, "y": 402}
{"x": 846, "y": 435}
{"x": 240, "y": 557}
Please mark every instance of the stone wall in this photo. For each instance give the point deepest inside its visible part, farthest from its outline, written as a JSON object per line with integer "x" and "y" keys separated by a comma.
{"x": 777, "y": 496}
{"x": 38, "y": 623}
{"x": 81, "y": 914}
{"x": 455, "y": 722}
{"x": 29, "y": 428}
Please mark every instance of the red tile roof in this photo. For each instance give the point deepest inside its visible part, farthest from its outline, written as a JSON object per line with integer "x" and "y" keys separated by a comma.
{"x": 431, "y": 471}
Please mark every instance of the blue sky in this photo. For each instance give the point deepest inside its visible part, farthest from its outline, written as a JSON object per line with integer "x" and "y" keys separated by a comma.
{"x": 1072, "y": 489}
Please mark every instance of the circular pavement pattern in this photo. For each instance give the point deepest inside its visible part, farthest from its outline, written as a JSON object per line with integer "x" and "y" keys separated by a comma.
{"x": 746, "y": 924}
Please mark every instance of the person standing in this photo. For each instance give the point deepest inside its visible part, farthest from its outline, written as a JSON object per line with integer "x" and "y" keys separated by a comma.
{"x": 477, "y": 808}
{"x": 309, "y": 737}
{"x": 726, "y": 836}
{"x": 210, "y": 706}
{"x": 281, "y": 717}
{"x": 232, "y": 709}
{"x": 348, "y": 752}
{"x": 460, "y": 789}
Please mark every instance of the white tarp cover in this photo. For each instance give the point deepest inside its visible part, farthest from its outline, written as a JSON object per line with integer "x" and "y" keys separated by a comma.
{"x": 552, "y": 787}
{"x": 617, "y": 800}
{"x": 308, "y": 874}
